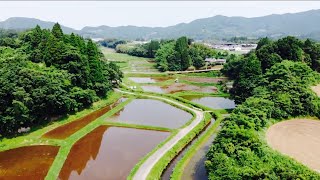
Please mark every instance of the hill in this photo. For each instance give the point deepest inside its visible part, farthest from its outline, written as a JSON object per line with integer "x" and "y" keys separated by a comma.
{"x": 303, "y": 24}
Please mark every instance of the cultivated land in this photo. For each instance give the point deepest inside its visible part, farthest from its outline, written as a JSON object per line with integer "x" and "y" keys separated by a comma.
{"x": 130, "y": 64}
{"x": 81, "y": 125}
{"x": 297, "y": 138}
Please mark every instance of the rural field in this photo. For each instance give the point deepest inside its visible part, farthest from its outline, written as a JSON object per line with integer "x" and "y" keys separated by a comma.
{"x": 153, "y": 93}
{"x": 297, "y": 138}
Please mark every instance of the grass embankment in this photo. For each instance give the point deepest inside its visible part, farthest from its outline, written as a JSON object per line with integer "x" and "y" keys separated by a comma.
{"x": 180, "y": 166}
{"x": 161, "y": 165}
{"x": 34, "y": 136}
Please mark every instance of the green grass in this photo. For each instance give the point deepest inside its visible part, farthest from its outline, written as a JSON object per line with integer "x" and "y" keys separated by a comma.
{"x": 137, "y": 126}
{"x": 180, "y": 166}
{"x": 161, "y": 165}
{"x": 129, "y": 63}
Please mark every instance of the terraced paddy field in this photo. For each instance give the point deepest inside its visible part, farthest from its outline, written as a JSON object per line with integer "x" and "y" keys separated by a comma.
{"x": 299, "y": 139}
{"x": 212, "y": 102}
{"x": 30, "y": 162}
{"x": 152, "y": 113}
{"x": 129, "y": 63}
{"x": 66, "y": 130}
{"x": 179, "y": 87}
{"x": 109, "y": 153}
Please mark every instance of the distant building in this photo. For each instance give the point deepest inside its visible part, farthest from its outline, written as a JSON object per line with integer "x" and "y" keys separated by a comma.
{"x": 215, "y": 61}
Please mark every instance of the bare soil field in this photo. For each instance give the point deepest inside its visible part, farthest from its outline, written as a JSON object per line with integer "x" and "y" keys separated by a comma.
{"x": 299, "y": 139}
{"x": 316, "y": 89}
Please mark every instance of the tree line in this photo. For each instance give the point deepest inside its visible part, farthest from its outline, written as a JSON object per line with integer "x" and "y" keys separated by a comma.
{"x": 272, "y": 83}
{"x": 181, "y": 54}
{"x": 46, "y": 74}
{"x": 147, "y": 50}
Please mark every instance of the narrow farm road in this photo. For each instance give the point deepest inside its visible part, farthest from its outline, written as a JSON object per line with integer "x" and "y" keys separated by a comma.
{"x": 146, "y": 167}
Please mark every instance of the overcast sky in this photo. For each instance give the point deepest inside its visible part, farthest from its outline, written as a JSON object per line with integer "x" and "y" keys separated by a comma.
{"x": 162, "y": 13}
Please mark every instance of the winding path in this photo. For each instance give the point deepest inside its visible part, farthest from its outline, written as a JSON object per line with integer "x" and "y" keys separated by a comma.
{"x": 145, "y": 168}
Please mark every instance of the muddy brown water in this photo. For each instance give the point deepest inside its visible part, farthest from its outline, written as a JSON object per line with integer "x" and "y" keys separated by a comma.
{"x": 109, "y": 153}
{"x": 68, "y": 129}
{"x": 30, "y": 162}
{"x": 179, "y": 87}
{"x": 212, "y": 102}
{"x": 152, "y": 113}
{"x": 204, "y": 79}
{"x": 149, "y": 79}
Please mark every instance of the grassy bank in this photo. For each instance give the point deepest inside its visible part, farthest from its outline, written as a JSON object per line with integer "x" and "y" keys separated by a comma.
{"x": 180, "y": 166}
{"x": 161, "y": 165}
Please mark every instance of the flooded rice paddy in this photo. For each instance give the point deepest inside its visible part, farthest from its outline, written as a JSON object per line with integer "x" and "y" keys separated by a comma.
{"x": 66, "y": 130}
{"x": 30, "y": 162}
{"x": 179, "y": 87}
{"x": 109, "y": 153}
{"x": 152, "y": 113}
{"x": 149, "y": 79}
{"x": 212, "y": 102}
{"x": 204, "y": 79}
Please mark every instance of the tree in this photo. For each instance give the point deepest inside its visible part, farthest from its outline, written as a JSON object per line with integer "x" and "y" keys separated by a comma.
{"x": 181, "y": 56}
{"x": 57, "y": 31}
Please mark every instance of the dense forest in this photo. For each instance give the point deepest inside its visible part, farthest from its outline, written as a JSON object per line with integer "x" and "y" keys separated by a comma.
{"x": 46, "y": 74}
{"x": 247, "y": 71}
{"x": 270, "y": 84}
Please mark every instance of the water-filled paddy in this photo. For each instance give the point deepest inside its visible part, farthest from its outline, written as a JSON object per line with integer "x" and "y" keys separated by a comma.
{"x": 109, "y": 153}
{"x": 179, "y": 87}
{"x": 66, "y": 130}
{"x": 212, "y": 102}
{"x": 204, "y": 79}
{"x": 149, "y": 79}
{"x": 153, "y": 113}
{"x": 30, "y": 162}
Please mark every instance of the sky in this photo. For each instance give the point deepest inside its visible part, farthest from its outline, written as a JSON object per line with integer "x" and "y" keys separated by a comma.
{"x": 78, "y": 14}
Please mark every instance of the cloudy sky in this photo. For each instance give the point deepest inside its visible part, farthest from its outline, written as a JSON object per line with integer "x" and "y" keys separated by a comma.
{"x": 142, "y": 13}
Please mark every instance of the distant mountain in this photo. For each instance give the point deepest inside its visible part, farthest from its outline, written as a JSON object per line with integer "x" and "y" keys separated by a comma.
{"x": 303, "y": 24}
{"x": 21, "y": 23}
{"x": 300, "y": 24}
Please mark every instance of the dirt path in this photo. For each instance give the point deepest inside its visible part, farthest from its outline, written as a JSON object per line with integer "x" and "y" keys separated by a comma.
{"x": 299, "y": 139}
{"x": 146, "y": 167}
{"x": 316, "y": 89}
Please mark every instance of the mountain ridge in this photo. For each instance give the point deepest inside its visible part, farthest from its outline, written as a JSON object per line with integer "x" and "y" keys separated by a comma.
{"x": 301, "y": 24}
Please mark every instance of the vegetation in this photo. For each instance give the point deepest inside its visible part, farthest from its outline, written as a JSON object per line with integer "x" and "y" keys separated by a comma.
{"x": 129, "y": 63}
{"x": 147, "y": 50}
{"x": 179, "y": 55}
{"x": 247, "y": 71}
{"x": 48, "y": 74}
{"x": 183, "y": 162}
{"x": 160, "y": 166}
{"x": 111, "y": 43}
{"x": 268, "y": 94}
